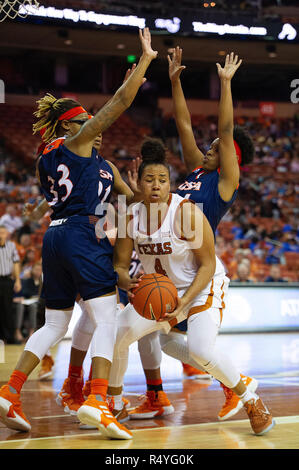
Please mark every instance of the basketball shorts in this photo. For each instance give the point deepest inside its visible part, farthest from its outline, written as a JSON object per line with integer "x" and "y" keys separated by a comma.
{"x": 75, "y": 261}
{"x": 212, "y": 297}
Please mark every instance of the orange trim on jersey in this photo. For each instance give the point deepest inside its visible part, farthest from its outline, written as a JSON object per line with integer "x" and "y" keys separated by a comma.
{"x": 221, "y": 315}
{"x": 53, "y": 145}
{"x": 197, "y": 168}
{"x": 206, "y": 306}
{"x": 222, "y": 295}
{"x": 72, "y": 113}
{"x": 173, "y": 322}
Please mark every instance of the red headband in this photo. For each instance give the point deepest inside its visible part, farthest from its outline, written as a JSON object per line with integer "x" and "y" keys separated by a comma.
{"x": 72, "y": 113}
{"x": 238, "y": 152}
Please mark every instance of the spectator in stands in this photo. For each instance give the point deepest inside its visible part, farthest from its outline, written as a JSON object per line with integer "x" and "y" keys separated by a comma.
{"x": 23, "y": 245}
{"x": 9, "y": 267}
{"x": 274, "y": 255}
{"x": 29, "y": 297}
{"x": 243, "y": 273}
{"x": 28, "y": 261}
{"x": 275, "y": 274}
{"x": 10, "y": 219}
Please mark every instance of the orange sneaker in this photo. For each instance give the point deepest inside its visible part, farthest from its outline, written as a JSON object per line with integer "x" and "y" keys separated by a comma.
{"x": 45, "y": 372}
{"x": 96, "y": 413}
{"x": 87, "y": 390}
{"x": 121, "y": 415}
{"x": 260, "y": 417}
{"x": 156, "y": 404}
{"x": 190, "y": 372}
{"x": 71, "y": 398}
{"x": 233, "y": 404}
{"x": 11, "y": 413}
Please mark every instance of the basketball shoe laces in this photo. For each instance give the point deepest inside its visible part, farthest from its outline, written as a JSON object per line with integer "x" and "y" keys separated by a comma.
{"x": 150, "y": 400}
{"x": 258, "y": 413}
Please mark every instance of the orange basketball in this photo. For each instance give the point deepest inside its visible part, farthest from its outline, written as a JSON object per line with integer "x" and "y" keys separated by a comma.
{"x": 155, "y": 296}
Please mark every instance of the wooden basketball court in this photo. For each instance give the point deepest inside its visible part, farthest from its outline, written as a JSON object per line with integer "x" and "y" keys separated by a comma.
{"x": 271, "y": 358}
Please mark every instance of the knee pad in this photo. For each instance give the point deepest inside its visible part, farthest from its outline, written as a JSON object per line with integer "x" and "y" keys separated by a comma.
{"x": 83, "y": 330}
{"x": 102, "y": 312}
{"x": 54, "y": 329}
{"x": 150, "y": 351}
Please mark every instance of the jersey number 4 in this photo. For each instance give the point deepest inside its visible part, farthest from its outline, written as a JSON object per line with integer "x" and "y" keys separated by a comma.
{"x": 158, "y": 267}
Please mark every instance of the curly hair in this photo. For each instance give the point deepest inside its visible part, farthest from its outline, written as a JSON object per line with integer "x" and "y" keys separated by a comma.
{"x": 48, "y": 111}
{"x": 152, "y": 152}
{"x": 245, "y": 143}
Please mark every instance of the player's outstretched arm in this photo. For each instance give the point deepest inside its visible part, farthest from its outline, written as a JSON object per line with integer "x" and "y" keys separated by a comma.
{"x": 193, "y": 157}
{"x": 229, "y": 168}
{"x": 121, "y": 100}
{"x": 122, "y": 255}
{"x": 34, "y": 212}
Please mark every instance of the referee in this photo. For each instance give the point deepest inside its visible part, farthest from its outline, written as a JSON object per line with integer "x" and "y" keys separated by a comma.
{"x": 9, "y": 269}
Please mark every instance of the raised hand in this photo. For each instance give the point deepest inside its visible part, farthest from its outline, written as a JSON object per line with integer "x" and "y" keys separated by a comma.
{"x": 230, "y": 67}
{"x": 175, "y": 64}
{"x": 129, "y": 73}
{"x": 28, "y": 209}
{"x": 133, "y": 175}
{"x": 145, "y": 39}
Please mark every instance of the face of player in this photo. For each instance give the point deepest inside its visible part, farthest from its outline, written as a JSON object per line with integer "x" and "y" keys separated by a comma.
{"x": 73, "y": 126}
{"x": 211, "y": 159}
{"x": 155, "y": 184}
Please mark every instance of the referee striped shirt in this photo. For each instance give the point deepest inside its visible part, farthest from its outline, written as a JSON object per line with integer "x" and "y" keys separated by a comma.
{"x": 8, "y": 256}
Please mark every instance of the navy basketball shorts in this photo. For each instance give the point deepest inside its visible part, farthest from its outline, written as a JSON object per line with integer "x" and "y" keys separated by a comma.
{"x": 182, "y": 326}
{"x": 75, "y": 262}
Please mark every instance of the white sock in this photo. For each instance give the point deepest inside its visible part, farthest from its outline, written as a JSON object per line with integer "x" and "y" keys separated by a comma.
{"x": 118, "y": 401}
{"x": 248, "y": 395}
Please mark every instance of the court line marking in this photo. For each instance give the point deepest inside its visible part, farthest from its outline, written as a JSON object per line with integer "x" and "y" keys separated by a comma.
{"x": 279, "y": 420}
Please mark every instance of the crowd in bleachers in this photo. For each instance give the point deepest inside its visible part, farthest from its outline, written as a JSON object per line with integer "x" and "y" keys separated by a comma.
{"x": 258, "y": 239}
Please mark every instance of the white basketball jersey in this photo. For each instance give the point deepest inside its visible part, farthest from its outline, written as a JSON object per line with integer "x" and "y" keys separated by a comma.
{"x": 162, "y": 250}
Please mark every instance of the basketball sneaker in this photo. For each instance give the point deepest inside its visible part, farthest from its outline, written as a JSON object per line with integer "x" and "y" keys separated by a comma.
{"x": 11, "y": 413}
{"x": 260, "y": 417}
{"x": 155, "y": 404}
{"x": 87, "y": 390}
{"x": 45, "y": 372}
{"x": 121, "y": 415}
{"x": 233, "y": 404}
{"x": 96, "y": 413}
{"x": 70, "y": 396}
{"x": 190, "y": 372}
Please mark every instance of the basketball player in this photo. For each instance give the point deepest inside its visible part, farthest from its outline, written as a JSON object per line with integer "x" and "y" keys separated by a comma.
{"x": 172, "y": 234}
{"x": 212, "y": 181}
{"x": 70, "y": 396}
{"x": 74, "y": 182}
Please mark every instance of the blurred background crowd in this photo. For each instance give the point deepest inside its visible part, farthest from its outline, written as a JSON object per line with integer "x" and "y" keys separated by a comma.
{"x": 258, "y": 239}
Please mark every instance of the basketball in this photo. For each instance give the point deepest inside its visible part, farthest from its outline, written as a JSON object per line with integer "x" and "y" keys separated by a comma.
{"x": 155, "y": 296}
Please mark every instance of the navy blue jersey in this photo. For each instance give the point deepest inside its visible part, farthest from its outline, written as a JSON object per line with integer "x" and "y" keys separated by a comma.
{"x": 201, "y": 186}
{"x": 74, "y": 185}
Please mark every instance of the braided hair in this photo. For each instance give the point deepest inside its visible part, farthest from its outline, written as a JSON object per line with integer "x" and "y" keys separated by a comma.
{"x": 48, "y": 111}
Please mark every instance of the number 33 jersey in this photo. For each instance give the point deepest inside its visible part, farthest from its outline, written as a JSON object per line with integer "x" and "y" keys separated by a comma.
{"x": 74, "y": 185}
